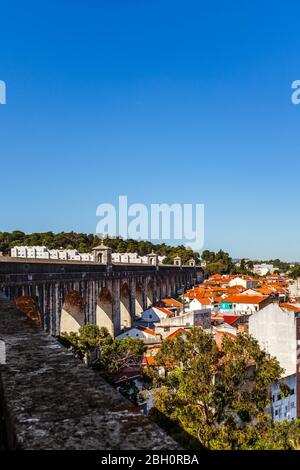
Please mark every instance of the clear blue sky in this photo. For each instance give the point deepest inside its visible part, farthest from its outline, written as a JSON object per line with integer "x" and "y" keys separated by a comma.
{"x": 164, "y": 101}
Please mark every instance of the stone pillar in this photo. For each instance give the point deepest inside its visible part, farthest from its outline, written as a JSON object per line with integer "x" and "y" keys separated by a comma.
{"x": 45, "y": 307}
{"x": 57, "y": 288}
{"x": 132, "y": 298}
{"x": 144, "y": 289}
{"x": 40, "y": 302}
{"x": 51, "y": 309}
{"x": 116, "y": 314}
{"x": 92, "y": 302}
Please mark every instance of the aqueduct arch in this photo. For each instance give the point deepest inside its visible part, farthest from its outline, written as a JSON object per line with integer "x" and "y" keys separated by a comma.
{"x": 125, "y": 310}
{"x": 150, "y": 293}
{"x": 108, "y": 295}
{"x": 72, "y": 313}
{"x": 104, "y": 310}
{"x": 139, "y": 299}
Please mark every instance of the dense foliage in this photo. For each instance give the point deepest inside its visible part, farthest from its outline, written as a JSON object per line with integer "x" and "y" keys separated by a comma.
{"x": 295, "y": 272}
{"x": 219, "y": 262}
{"x": 219, "y": 395}
{"x": 114, "y": 354}
{"x": 85, "y": 242}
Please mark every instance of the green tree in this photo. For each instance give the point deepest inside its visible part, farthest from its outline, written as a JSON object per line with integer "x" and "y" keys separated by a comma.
{"x": 88, "y": 338}
{"x": 295, "y": 272}
{"x": 127, "y": 352}
{"x": 217, "y": 395}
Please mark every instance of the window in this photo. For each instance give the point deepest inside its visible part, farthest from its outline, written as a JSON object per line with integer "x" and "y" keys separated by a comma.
{"x": 273, "y": 398}
{"x": 278, "y": 397}
{"x": 276, "y": 412}
{"x": 292, "y": 391}
{"x": 150, "y": 316}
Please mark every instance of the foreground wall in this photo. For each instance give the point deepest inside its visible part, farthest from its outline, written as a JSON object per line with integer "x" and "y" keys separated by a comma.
{"x": 52, "y": 401}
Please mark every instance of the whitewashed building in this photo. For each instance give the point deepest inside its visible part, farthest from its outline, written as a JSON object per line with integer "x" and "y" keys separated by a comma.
{"x": 277, "y": 330}
{"x": 155, "y": 314}
{"x": 263, "y": 269}
{"x": 134, "y": 258}
{"x": 190, "y": 318}
{"x": 285, "y": 407}
{"x": 244, "y": 281}
{"x": 42, "y": 252}
{"x": 201, "y": 303}
{"x": 146, "y": 334}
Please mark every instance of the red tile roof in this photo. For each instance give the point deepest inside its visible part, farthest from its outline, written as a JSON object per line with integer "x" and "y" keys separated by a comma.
{"x": 230, "y": 319}
{"x": 290, "y": 307}
{"x": 175, "y": 333}
{"x": 171, "y": 303}
{"x": 245, "y": 299}
{"x": 165, "y": 310}
{"x": 146, "y": 330}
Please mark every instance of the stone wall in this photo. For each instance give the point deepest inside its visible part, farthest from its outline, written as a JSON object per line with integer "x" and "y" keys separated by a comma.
{"x": 51, "y": 401}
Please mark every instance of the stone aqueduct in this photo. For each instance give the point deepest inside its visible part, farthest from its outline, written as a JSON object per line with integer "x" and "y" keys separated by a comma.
{"x": 69, "y": 294}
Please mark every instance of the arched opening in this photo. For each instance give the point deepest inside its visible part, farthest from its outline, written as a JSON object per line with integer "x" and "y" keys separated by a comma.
{"x": 29, "y": 306}
{"x": 169, "y": 287}
{"x": 150, "y": 293}
{"x": 163, "y": 289}
{"x": 125, "y": 317}
{"x": 72, "y": 313}
{"x": 173, "y": 287}
{"x": 104, "y": 310}
{"x": 138, "y": 300}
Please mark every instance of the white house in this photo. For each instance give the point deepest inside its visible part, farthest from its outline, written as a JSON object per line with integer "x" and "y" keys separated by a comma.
{"x": 274, "y": 327}
{"x": 145, "y": 334}
{"x": 294, "y": 288}
{"x": 263, "y": 269}
{"x": 201, "y": 303}
{"x": 134, "y": 258}
{"x": 243, "y": 304}
{"x": 155, "y": 314}
{"x": 285, "y": 407}
{"x": 166, "y": 326}
{"x": 42, "y": 252}
{"x": 244, "y": 281}
{"x": 277, "y": 330}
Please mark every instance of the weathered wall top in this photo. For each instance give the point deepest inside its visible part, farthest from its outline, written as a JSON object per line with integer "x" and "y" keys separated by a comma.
{"x": 14, "y": 270}
{"x": 52, "y": 401}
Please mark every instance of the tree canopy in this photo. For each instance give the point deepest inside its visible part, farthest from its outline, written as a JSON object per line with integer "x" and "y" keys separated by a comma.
{"x": 85, "y": 242}
{"x": 219, "y": 395}
{"x": 114, "y": 354}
